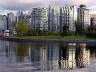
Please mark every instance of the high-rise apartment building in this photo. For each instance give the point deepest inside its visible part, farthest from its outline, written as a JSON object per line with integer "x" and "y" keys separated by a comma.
{"x": 11, "y": 21}
{"x": 53, "y": 19}
{"x": 83, "y": 17}
{"x": 19, "y": 16}
{"x": 67, "y": 18}
{"x": 39, "y": 19}
{"x": 3, "y": 22}
{"x": 60, "y": 16}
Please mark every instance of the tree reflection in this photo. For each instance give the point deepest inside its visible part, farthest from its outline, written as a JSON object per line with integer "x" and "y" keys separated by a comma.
{"x": 63, "y": 56}
{"x": 63, "y": 52}
{"x": 79, "y": 56}
{"x": 22, "y": 51}
{"x": 92, "y": 49}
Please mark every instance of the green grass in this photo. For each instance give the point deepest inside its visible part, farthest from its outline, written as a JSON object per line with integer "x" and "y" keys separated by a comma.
{"x": 69, "y": 38}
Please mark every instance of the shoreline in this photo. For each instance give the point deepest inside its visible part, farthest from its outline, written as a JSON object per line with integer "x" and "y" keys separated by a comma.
{"x": 25, "y": 39}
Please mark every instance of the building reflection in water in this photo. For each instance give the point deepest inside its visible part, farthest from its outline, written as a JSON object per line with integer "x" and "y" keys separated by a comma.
{"x": 47, "y": 56}
{"x": 92, "y": 49}
{"x": 8, "y": 49}
{"x": 81, "y": 55}
{"x": 67, "y": 56}
{"x": 55, "y": 56}
{"x": 63, "y": 56}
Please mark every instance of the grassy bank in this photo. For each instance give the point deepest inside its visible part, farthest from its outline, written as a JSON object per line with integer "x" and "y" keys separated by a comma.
{"x": 68, "y": 38}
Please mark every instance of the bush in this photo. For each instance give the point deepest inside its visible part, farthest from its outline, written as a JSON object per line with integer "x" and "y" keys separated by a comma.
{"x": 53, "y": 33}
{"x": 68, "y": 34}
{"x": 30, "y": 32}
{"x": 37, "y": 33}
{"x": 91, "y": 34}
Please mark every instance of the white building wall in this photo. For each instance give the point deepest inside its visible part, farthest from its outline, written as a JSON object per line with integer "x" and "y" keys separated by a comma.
{"x": 67, "y": 18}
{"x": 11, "y": 21}
{"x": 40, "y": 18}
{"x": 3, "y": 22}
{"x": 83, "y": 17}
{"x": 53, "y": 19}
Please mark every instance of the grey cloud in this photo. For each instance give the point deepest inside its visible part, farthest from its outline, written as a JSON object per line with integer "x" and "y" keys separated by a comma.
{"x": 15, "y": 5}
{"x": 28, "y": 6}
{"x": 19, "y": 6}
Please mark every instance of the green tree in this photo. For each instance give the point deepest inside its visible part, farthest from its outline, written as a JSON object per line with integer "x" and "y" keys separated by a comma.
{"x": 91, "y": 29}
{"x": 79, "y": 28}
{"x": 65, "y": 30}
{"x": 21, "y": 28}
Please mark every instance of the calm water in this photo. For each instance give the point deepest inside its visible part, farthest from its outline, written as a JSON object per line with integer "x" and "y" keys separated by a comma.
{"x": 47, "y": 56}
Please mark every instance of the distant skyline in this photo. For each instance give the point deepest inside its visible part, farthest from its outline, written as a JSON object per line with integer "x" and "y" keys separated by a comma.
{"x": 15, "y": 5}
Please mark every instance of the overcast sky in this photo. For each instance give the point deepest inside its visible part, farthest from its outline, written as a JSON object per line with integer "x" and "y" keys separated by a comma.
{"x": 14, "y": 5}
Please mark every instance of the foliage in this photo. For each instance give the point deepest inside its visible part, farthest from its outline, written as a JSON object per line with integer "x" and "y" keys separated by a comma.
{"x": 30, "y": 32}
{"x": 65, "y": 30}
{"x": 53, "y": 33}
{"x": 21, "y": 28}
{"x": 91, "y": 28}
{"x": 22, "y": 50}
{"x": 37, "y": 32}
{"x": 79, "y": 28}
{"x": 91, "y": 31}
{"x": 91, "y": 34}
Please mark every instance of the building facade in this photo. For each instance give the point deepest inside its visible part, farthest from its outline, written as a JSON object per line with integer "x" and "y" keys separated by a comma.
{"x": 19, "y": 16}
{"x": 67, "y": 18}
{"x": 83, "y": 17}
{"x": 39, "y": 19}
{"x": 60, "y": 16}
{"x": 3, "y": 22}
{"x": 53, "y": 19}
{"x": 11, "y": 20}
{"x": 93, "y": 20}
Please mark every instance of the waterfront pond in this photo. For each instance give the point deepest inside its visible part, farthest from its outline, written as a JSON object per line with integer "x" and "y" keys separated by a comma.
{"x": 47, "y": 57}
